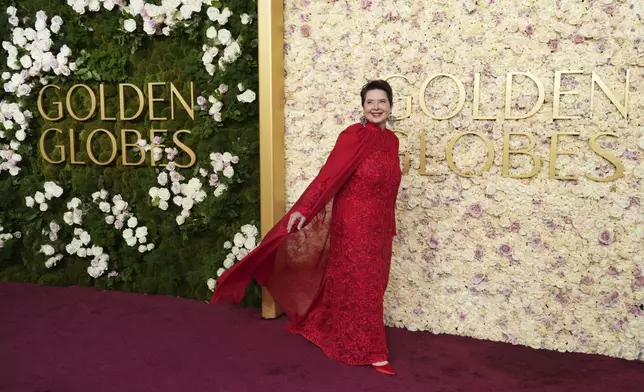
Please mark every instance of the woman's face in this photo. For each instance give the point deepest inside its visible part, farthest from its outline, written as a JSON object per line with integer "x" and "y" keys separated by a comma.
{"x": 377, "y": 107}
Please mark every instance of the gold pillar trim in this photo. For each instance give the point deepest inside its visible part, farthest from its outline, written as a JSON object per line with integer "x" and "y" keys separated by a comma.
{"x": 270, "y": 28}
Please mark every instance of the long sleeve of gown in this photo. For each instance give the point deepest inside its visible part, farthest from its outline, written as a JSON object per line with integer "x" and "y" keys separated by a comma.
{"x": 346, "y": 150}
{"x": 291, "y": 265}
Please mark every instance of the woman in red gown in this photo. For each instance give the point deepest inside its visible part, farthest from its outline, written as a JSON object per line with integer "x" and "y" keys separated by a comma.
{"x": 326, "y": 263}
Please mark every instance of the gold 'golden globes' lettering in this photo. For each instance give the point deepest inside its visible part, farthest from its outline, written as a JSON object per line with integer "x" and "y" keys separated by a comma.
{"x": 619, "y": 166}
{"x": 60, "y": 148}
{"x": 507, "y": 152}
{"x": 450, "y": 154}
{"x": 186, "y": 149}
{"x": 477, "y": 99}
{"x": 113, "y": 144}
{"x": 68, "y": 149}
{"x": 152, "y": 99}
{"x": 461, "y": 96}
{"x": 72, "y": 149}
{"x": 58, "y": 104}
{"x": 190, "y": 108}
{"x": 422, "y": 170}
{"x": 527, "y": 151}
{"x": 509, "y": 88}
{"x": 101, "y": 94}
{"x": 554, "y": 153}
{"x": 139, "y": 93}
{"x": 623, "y": 109}
{"x": 508, "y": 96}
{"x": 125, "y": 145}
{"x": 556, "y": 101}
{"x": 408, "y": 98}
{"x": 70, "y": 109}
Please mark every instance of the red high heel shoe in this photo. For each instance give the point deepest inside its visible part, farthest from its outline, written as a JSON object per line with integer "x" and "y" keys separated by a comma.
{"x": 385, "y": 369}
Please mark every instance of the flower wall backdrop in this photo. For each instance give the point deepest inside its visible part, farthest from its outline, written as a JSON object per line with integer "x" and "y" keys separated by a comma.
{"x": 105, "y": 215}
{"x": 543, "y": 262}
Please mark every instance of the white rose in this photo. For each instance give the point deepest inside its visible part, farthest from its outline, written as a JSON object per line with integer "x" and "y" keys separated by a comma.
{"x": 29, "y": 201}
{"x": 213, "y": 13}
{"x": 211, "y": 32}
{"x": 224, "y": 36}
{"x": 43, "y": 207}
{"x": 231, "y": 53}
{"x": 245, "y": 19}
{"x": 65, "y": 51}
{"x": 26, "y": 61}
{"x": 21, "y": 135}
{"x": 141, "y": 231}
{"x": 177, "y": 200}
{"x": 39, "y": 197}
{"x": 228, "y": 263}
{"x": 211, "y": 284}
{"x": 164, "y": 194}
{"x": 180, "y": 220}
{"x": 82, "y": 252}
{"x": 131, "y": 241}
{"x": 228, "y": 245}
{"x": 163, "y": 205}
{"x": 247, "y": 96}
{"x": 162, "y": 178}
{"x": 187, "y": 203}
{"x": 97, "y": 250}
{"x": 150, "y": 247}
{"x": 142, "y": 248}
{"x": 153, "y": 192}
{"x": 239, "y": 240}
{"x": 220, "y": 271}
{"x": 85, "y": 238}
{"x": 127, "y": 234}
{"x": 250, "y": 243}
{"x": 104, "y": 206}
{"x": 132, "y": 222}
{"x": 229, "y": 172}
{"x": 40, "y": 24}
{"x": 68, "y": 217}
{"x": 47, "y": 250}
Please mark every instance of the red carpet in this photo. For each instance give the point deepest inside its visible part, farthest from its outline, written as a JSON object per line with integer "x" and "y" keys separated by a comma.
{"x": 82, "y": 340}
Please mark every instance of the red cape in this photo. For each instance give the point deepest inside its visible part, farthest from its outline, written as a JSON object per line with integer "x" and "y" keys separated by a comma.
{"x": 292, "y": 266}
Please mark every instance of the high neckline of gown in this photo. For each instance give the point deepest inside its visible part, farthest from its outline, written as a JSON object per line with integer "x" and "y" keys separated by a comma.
{"x": 376, "y": 127}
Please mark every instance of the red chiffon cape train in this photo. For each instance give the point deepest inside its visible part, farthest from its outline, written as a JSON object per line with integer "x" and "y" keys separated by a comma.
{"x": 294, "y": 278}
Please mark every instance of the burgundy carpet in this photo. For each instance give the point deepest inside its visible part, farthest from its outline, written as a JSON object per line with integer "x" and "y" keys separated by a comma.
{"x": 84, "y": 340}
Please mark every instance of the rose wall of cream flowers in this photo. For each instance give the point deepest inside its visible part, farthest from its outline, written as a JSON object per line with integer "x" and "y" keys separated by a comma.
{"x": 541, "y": 262}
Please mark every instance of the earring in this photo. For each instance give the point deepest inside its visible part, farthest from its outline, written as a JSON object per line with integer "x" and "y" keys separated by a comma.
{"x": 363, "y": 121}
{"x": 392, "y": 120}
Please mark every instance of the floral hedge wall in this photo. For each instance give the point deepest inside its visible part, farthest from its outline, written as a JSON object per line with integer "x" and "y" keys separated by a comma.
{"x": 542, "y": 262}
{"x": 162, "y": 229}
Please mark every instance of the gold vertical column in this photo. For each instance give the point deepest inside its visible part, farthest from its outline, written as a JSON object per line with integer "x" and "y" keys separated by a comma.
{"x": 271, "y": 124}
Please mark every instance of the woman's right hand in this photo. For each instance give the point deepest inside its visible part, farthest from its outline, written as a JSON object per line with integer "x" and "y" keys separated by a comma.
{"x": 293, "y": 219}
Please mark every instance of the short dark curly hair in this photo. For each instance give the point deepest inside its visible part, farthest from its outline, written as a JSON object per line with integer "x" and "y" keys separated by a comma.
{"x": 377, "y": 85}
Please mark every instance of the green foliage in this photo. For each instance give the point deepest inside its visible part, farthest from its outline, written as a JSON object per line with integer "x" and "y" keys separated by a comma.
{"x": 185, "y": 256}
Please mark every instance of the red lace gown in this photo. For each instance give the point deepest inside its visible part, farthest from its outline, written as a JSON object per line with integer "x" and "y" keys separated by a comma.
{"x": 330, "y": 277}
{"x": 347, "y": 321}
